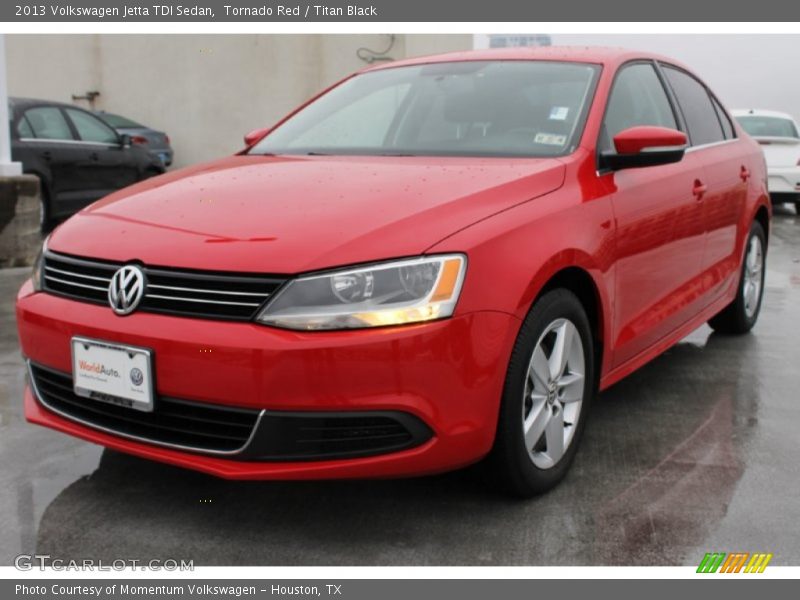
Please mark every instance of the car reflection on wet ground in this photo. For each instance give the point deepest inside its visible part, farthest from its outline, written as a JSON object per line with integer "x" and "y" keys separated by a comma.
{"x": 695, "y": 452}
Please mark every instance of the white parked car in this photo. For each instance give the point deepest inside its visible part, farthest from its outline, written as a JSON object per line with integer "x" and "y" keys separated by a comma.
{"x": 779, "y": 137}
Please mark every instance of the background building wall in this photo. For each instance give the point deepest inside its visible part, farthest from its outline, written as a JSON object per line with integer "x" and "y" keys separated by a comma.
{"x": 205, "y": 91}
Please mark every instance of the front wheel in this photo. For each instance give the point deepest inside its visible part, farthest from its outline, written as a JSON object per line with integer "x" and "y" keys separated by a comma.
{"x": 45, "y": 214}
{"x": 741, "y": 314}
{"x": 549, "y": 387}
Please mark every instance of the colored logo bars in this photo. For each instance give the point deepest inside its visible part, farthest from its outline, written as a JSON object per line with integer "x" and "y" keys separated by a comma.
{"x": 734, "y": 562}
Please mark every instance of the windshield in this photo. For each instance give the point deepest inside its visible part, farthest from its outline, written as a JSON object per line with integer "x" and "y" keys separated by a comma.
{"x": 768, "y": 126}
{"x": 117, "y": 121}
{"x": 478, "y": 108}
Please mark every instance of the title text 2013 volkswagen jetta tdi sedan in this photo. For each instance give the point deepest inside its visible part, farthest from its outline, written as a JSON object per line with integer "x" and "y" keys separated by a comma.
{"x": 434, "y": 262}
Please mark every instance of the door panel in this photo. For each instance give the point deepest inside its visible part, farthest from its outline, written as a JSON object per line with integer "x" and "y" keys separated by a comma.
{"x": 660, "y": 239}
{"x": 119, "y": 166}
{"x": 60, "y": 158}
{"x": 727, "y": 168}
{"x": 54, "y": 147}
{"x": 107, "y": 167}
{"x": 659, "y": 221}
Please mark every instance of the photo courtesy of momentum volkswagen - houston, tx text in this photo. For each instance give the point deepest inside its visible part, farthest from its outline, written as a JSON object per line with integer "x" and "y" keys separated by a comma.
{"x": 437, "y": 261}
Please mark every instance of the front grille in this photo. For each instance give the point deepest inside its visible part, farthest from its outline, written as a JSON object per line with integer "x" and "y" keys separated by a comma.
{"x": 316, "y": 436}
{"x": 209, "y": 428}
{"x": 171, "y": 291}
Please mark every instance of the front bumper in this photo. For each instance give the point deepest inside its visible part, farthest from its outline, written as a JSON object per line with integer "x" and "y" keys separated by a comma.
{"x": 447, "y": 374}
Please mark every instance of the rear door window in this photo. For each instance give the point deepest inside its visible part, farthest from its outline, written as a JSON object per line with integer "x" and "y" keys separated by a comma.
{"x": 695, "y": 102}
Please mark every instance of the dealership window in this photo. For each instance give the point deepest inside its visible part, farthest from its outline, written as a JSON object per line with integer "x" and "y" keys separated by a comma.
{"x": 700, "y": 114}
{"x": 92, "y": 129}
{"x": 48, "y": 123}
{"x": 638, "y": 98}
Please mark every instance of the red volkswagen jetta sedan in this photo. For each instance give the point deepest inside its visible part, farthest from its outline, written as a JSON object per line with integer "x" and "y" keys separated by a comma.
{"x": 434, "y": 262}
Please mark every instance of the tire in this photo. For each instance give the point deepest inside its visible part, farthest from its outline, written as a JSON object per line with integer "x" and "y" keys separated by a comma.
{"x": 797, "y": 207}
{"x": 740, "y": 315}
{"x": 45, "y": 212}
{"x": 529, "y": 468}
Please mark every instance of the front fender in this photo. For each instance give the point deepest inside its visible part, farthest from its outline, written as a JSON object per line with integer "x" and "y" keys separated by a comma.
{"x": 513, "y": 255}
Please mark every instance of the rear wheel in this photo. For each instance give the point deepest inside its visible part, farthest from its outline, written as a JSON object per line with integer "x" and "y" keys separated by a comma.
{"x": 549, "y": 386}
{"x": 741, "y": 314}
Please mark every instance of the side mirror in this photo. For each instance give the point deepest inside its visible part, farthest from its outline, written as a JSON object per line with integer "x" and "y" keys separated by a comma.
{"x": 255, "y": 136}
{"x": 645, "y": 146}
{"x": 125, "y": 141}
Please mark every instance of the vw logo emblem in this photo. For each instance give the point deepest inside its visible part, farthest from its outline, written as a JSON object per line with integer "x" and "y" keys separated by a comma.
{"x": 126, "y": 289}
{"x": 137, "y": 377}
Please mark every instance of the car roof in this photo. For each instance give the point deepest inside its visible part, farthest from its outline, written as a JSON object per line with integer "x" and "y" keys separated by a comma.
{"x": 757, "y": 112}
{"x": 23, "y": 103}
{"x": 599, "y": 55}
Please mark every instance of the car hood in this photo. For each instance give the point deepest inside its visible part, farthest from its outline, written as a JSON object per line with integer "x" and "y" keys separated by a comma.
{"x": 279, "y": 214}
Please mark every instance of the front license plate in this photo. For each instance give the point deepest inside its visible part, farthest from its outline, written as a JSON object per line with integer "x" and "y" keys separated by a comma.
{"x": 113, "y": 373}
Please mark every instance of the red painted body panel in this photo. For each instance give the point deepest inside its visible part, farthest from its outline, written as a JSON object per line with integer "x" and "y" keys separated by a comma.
{"x": 636, "y": 139}
{"x": 252, "y": 366}
{"x": 662, "y": 260}
{"x": 258, "y": 213}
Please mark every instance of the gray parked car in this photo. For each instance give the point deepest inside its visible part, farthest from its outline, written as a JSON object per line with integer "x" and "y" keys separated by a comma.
{"x": 155, "y": 142}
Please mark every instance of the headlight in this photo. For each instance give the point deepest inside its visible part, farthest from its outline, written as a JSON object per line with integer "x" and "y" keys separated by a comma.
{"x": 36, "y": 276}
{"x": 391, "y": 293}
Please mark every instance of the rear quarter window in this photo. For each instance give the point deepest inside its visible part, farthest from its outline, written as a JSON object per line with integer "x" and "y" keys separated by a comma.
{"x": 724, "y": 119}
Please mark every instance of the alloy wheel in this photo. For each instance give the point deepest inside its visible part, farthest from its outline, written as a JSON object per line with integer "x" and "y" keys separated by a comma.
{"x": 553, "y": 395}
{"x": 753, "y": 276}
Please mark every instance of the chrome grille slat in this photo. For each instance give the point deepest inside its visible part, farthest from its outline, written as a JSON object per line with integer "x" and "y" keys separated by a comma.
{"x": 209, "y": 295}
{"x": 75, "y": 283}
{"x": 202, "y": 300}
{"x": 201, "y": 291}
{"x": 73, "y": 274}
